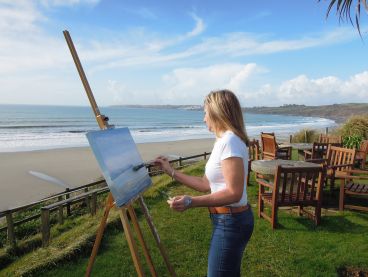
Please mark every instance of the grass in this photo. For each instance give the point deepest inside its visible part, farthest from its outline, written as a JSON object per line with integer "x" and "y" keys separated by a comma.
{"x": 296, "y": 248}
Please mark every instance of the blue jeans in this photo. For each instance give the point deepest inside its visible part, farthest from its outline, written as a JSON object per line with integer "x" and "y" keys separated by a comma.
{"x": 230, "y": 235}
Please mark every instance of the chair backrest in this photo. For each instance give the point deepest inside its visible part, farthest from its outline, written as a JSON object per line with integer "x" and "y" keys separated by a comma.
{"x": 298, "y": 185}
{"x": 269, "y": 146}
{"x": 340, "y": 156}
{"x": 254, "y": 150}
{"x": 364, "y": 146}
{"x": 319, "y": 149}
{"x": 362, "y": 154}
{"x": 330, "y": 139}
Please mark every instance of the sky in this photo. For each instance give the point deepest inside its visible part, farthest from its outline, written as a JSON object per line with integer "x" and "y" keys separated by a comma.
{"x": 269, "y": 53}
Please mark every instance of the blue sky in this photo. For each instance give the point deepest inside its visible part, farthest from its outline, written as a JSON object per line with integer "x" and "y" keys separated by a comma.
{"x": 174, "y": 52}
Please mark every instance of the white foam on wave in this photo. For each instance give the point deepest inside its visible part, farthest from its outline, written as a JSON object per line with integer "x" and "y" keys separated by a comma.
{"x": 28, "y": 141}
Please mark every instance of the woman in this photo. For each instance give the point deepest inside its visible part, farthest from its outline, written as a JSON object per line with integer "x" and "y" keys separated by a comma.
{"x": 225, "y": 177}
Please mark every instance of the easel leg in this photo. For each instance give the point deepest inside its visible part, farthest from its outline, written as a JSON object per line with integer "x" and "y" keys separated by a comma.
{"x": 101, "y": 228}
{"x": 138, "y": 231}
{"x": 131, "y": 242}
{"x": 156, "y": 236}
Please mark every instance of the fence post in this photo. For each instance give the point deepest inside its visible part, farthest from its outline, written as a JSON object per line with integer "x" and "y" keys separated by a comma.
{"x": 61, "y": 215}
{"x": 94, "y": 203}
{"x": 10, "y": 229}
{"x": 290, "y": 138}
{"x": 86, "y": 201}
{"x": 205, "y": 155}
{"x": 326, "y": 131}
{"x": 180, "y": 161}
{"x": 45, "y": 228}
{"x": 305, "y": 136}
{"x": 67, "y": 196}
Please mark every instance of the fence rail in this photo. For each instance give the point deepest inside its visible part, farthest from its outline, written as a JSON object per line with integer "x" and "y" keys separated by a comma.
{"x": 87, "y": 193}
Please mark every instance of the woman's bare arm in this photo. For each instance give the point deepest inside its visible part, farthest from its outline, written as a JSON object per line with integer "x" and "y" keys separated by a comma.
{"x": 233, "y": 171}
{"x": 194, "y": 182}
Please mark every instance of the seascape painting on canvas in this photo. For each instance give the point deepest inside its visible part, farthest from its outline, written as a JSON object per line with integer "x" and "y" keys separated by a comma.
{"x": 120, "y": 163}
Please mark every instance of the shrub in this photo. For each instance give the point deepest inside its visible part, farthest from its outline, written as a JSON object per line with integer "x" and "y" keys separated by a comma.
{"x": 352, "y": 141}
{"x": 305, "y": 135}
{"x": 356, "y": 125}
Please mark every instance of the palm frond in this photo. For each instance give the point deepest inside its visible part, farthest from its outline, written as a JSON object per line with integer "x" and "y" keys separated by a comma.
{"x": 343, "y": 10}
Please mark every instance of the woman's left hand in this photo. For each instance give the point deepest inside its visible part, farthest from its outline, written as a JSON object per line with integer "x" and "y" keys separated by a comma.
{"x": 180, "y": 203}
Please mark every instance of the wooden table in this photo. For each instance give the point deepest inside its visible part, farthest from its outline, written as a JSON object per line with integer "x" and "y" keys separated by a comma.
{"x": 268, "y": 167}
{"x": 300, "y": 147}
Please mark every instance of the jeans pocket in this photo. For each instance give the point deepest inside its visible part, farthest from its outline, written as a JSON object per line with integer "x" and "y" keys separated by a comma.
{"x": 218, "y": 219}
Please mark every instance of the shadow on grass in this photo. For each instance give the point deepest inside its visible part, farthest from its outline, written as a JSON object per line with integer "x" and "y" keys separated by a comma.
{"x": 362, "y": 215}
{"x": 334, "y": 224}
{"x": 348, "y": 271}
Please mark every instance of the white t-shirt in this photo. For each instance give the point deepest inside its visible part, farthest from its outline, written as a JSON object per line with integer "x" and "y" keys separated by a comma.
{"x": 229, "y": 145}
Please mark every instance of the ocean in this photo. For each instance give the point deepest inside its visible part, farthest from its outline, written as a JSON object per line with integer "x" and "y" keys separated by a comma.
{"x": 31, "y": 127}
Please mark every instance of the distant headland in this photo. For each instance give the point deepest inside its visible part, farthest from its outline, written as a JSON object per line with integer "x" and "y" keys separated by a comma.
{"x": 337, "y": 112}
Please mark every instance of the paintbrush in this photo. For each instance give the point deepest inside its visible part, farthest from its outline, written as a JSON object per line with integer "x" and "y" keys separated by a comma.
{"x": 139, "y": 166}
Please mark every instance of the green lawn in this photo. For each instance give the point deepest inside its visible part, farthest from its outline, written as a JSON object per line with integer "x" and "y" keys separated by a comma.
{"x": 296, "y": 248}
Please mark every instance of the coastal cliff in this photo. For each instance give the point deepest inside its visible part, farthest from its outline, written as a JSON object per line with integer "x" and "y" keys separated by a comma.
{"x": 337, "y": 112}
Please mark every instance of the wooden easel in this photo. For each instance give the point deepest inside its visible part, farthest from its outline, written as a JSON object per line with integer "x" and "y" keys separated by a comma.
{"x": 103, "y": 124}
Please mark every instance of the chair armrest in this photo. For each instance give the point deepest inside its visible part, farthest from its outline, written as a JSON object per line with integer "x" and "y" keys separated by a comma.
{"x": 284, "y": 148}
{"x": 360, "y": 152}
{"x": 317, "y": 161}
{"x": 307, "y": 154}
{"x": 264, "y": 183}
{"x": 339, "y": 166}
{"x": 351, "y": 177}
{"x": 357, "y": 171}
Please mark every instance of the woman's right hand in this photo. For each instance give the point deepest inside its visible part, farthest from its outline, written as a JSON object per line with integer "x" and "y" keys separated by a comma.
{"x": 164, "y": 164}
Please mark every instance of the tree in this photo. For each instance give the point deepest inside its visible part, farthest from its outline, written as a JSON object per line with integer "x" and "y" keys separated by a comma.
{"x": 343, "y": 10}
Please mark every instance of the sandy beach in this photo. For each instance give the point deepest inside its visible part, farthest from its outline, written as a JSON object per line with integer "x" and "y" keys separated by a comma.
{"x": 74, "y": 166}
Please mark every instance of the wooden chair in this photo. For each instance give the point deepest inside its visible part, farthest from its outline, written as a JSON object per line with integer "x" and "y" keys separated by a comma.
{"x": 254, "y": 154}
{"x": 271, "y": 150}
{"x": 289, "y": 189}
{"x": 361, "y": 155}
{"x": 319, "y": 150}
{"x": 330, "y": 139}
{"x": 339, "y": 162}
{"x": 354, "y": 186}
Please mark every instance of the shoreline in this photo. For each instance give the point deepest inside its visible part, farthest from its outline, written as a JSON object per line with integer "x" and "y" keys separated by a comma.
{"x": 74, "y": 166}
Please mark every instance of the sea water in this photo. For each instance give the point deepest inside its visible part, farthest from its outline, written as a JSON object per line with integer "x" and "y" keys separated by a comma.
{"x": 28, "y": 127}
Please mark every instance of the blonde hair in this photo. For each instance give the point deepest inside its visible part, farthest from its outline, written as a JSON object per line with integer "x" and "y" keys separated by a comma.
{"x": 224, "y": 111}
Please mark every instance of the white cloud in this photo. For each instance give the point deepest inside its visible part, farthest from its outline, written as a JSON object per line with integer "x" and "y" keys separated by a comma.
{"x": 142, "y": 12}
{"x": 23, "y": 45}
{"x": 34, "y": 63}
{"x": 158, "y": 52}
{"x": 18, "y": 16}
{"x": 119, "y": 92}
{"x": 68, "y": 3}
{"x": 324, "y": 90}
{"x": 198, "y": 29}
{"x": 190, "y": 85}
{"x": 356, "y": 87}
{"x": 240, "y": 79}
{"x": 246, "y": 44}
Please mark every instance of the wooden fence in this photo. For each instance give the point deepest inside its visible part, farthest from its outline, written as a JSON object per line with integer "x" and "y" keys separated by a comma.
{"x": 87, "y": 193}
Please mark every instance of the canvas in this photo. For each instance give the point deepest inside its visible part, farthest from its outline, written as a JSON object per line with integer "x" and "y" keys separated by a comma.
{"x": 120, "y": 162}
